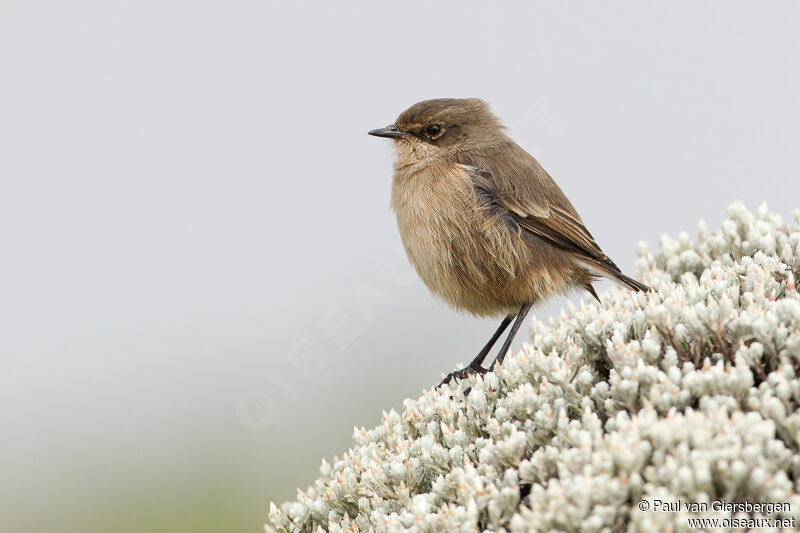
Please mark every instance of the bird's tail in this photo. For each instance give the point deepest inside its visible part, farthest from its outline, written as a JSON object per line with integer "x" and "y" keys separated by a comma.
{"x": 629, "y": 282}
{"x": 615, "y": 275}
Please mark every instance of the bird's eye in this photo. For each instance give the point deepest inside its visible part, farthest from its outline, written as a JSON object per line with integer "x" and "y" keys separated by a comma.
{"x": 434, "y": 130}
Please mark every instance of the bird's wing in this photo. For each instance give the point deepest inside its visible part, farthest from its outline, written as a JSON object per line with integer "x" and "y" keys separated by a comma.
{"x": 540, "y": 216}
{"x": 562, "y": 229}
{"x": 538, "y": 207}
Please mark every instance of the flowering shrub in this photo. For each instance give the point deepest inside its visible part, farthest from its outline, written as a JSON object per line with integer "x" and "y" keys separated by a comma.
{"x": 687, "y": 394}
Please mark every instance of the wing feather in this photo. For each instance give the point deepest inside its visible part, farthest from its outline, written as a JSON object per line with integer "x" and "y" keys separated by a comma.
{"x": 517, "y": 184}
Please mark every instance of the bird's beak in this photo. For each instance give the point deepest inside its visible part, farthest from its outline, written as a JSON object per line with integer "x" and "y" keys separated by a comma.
{"x": 390, "y": 132}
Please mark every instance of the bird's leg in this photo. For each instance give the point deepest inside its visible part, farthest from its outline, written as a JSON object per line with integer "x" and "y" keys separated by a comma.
{"x": 523, "y": 312}
{"x": 475, "y": 365}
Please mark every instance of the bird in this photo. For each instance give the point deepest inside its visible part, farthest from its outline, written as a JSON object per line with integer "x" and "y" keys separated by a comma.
{"x": 483, "y": 224}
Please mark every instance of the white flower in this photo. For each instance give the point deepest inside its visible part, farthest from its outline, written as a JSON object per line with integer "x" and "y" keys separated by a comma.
{"x": 700, "y": 403}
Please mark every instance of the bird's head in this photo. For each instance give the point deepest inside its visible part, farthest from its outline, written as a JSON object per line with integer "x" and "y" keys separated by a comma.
{"x": 434, "y": 128}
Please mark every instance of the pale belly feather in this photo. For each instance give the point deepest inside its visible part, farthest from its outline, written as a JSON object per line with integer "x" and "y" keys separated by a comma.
{"x": 466, "y": 255}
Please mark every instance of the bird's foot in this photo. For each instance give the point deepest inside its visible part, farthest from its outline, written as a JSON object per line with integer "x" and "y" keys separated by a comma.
{"x": 463, "y": 373}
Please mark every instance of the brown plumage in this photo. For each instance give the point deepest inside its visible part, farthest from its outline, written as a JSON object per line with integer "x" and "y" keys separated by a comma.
{"x": 486, "y": 228}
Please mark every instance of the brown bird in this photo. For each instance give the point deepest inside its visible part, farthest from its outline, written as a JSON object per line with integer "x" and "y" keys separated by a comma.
{"x": 486, "y": 228}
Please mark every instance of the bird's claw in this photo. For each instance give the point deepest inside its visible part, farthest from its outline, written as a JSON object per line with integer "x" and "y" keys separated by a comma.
{"x": 461, "y": 374}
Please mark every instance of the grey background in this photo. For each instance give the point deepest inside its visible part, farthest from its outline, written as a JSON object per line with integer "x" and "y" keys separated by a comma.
{"x": 202, "y": 289}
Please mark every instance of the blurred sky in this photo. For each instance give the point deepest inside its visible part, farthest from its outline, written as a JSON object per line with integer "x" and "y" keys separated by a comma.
{"x": 202, "y": 288}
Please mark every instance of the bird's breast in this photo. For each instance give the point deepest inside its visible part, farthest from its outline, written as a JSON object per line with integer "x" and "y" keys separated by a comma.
{"x": 462, "y": 251}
